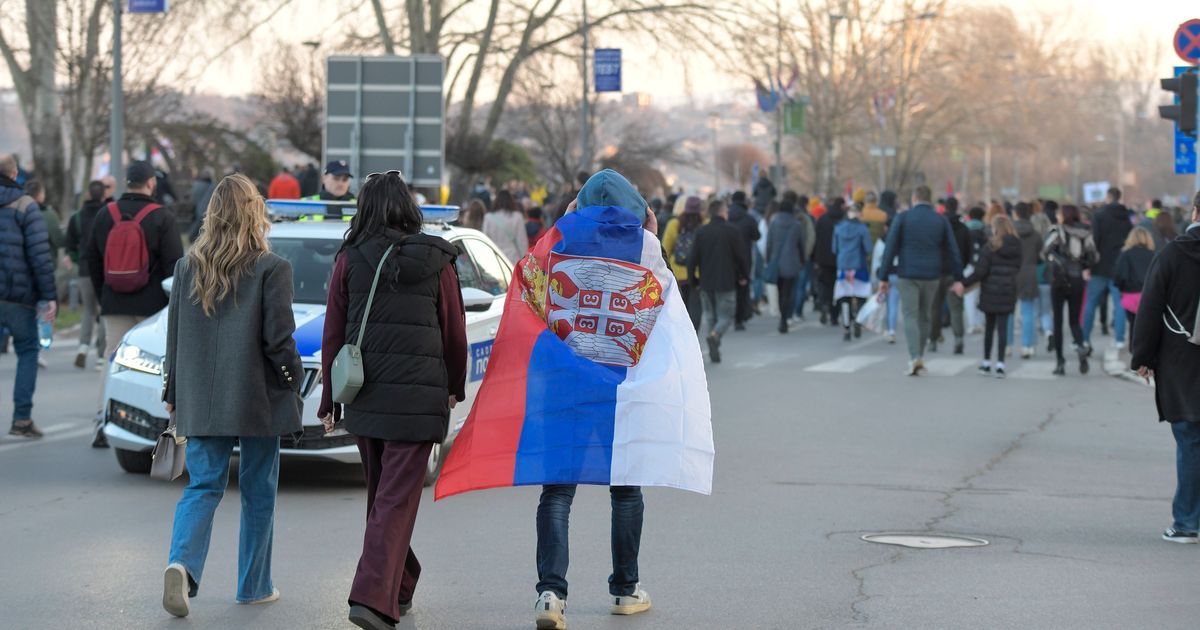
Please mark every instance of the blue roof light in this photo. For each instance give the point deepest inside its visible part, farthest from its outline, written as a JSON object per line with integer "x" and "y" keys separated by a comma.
{"x": 316, "y": 210}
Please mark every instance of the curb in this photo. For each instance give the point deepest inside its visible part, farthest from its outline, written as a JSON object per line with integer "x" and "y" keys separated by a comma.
{"x": 1115, "y": 367}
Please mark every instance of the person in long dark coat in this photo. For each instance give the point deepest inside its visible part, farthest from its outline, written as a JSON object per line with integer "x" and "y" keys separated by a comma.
{"x": 998, "y": 268}
{"x": 1164, "y": 348}
{"x": 232, "y": 376}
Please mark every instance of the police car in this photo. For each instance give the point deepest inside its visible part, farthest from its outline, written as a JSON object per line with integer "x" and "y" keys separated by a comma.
{"x": 135, "y": 414}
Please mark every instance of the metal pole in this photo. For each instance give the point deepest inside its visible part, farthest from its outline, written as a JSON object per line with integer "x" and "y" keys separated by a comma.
{"x": 1197, "y": 184}
{"x": 1120, "y": 182}
{"x": 586, "y": 136}
{"x": 987, "y": 174}
{"x": 716, "y": 124}
{"x": 780, "y": 177}
{"x": 116, "y": 129}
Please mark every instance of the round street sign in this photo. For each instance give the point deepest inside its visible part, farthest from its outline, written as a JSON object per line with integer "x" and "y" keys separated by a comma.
{"x": 1187, "y": 41}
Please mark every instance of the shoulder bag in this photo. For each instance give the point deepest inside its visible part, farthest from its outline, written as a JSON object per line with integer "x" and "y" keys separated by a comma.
{"x": 170, "y": 453}
{"x": 346, "y": 373}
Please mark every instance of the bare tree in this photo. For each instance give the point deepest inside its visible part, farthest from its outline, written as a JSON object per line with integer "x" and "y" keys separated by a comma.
{"x": 292, "y": 99}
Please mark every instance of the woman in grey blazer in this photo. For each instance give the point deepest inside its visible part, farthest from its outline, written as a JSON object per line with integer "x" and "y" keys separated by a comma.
{"x": 232, "y": 376}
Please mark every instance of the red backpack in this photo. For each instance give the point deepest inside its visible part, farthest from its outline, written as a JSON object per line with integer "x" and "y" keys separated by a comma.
{"x": 126, "y": 258}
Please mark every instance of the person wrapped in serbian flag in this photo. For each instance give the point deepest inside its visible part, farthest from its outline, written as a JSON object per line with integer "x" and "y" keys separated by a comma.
{"x": 596, "y": 377}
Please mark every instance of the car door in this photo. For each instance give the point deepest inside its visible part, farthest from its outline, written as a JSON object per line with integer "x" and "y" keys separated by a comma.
{"x": 483, "y": 324}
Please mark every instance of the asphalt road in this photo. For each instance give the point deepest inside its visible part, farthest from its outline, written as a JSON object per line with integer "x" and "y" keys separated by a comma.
{"x": 818, "y": 442}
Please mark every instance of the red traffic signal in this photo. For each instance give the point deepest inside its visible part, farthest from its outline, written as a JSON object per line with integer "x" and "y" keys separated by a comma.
{"x": 1184, "y": 114}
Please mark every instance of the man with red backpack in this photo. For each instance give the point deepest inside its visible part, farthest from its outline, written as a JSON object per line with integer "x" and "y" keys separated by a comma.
{"x": 133, "y": 248}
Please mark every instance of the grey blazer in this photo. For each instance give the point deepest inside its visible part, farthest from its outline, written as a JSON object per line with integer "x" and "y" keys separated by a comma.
{"x": 236, "y": 373}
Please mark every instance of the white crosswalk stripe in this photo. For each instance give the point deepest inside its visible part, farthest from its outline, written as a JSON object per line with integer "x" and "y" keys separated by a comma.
{"x": 848, "y": 364}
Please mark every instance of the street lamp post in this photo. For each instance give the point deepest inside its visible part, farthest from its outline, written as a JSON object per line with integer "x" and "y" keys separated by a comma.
{"x": 585, "y": 155}
{"x": 116, "y": 122}
{"x": 714, "y": 121}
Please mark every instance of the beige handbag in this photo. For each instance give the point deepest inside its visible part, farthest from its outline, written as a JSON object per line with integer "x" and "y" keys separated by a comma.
{"x": 170, "y": 453}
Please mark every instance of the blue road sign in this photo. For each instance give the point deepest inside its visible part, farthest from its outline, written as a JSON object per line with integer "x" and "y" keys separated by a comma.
{"x": 147, "y": 6}
{"x": 607, "y": 65}
{"x": 1185, "y": 146}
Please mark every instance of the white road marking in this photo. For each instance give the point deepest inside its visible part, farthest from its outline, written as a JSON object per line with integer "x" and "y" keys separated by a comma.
{"x": 55, "y": 428}
{"x": 57, "y": 438}
{"x": 846, "y": 364}
{"x": 947, "y": 367}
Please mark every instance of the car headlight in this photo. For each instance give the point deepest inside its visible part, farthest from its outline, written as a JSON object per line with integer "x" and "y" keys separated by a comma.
{"x": 131, "y": 357}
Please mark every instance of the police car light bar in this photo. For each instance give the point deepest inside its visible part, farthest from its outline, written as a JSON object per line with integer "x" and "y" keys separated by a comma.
{"x": 317, "y": 210}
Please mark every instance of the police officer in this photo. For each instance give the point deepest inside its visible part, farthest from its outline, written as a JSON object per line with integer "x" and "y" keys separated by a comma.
{"x": 335, "y": 186}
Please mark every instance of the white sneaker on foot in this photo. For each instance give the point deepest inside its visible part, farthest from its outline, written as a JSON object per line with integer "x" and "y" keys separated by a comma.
{"x": 550, "y": 612}
{"x": 631, "y": 604}
{"x": 273, "y": 597}
{"x": 175, "y": 590}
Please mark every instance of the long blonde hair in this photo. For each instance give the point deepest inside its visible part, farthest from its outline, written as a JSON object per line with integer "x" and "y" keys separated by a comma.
{"x": 1001, "y": 226}
{"x": 232, "y": 239}
{"x": 1139, "y": 236}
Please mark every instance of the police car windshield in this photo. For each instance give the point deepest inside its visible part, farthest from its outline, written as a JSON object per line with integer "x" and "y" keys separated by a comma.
{"x": 312, "y": 266}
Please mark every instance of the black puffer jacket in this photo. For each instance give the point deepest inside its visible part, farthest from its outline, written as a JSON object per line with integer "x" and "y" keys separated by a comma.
{"x": 1110, "y": 226}
{"x": 1031, "y": 251}
{"x": 1132, "y": 266}
{"x": 406, "y": 394}
{"x": 997, "y": 269}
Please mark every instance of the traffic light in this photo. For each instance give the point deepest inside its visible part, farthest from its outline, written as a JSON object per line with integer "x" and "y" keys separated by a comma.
{"x": 1184, "y": 114}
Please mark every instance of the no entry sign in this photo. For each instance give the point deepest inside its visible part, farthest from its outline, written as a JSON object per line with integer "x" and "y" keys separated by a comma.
{"x": 1187, "y": 41}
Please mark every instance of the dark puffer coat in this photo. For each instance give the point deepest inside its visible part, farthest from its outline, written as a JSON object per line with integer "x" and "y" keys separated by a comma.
{"x": 998, "y": 269}
{"x": 406, "y": 393}
{"x": 1031, "y": 251}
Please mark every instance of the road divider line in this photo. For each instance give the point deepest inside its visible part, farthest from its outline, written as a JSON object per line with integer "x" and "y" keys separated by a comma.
{"x": 63, "y": 426}
{"x": 12, "y": 446}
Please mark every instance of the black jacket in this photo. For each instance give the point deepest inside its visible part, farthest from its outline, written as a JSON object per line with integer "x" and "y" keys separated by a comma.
{"x": 720, "y": 256}
{"x": 962, "y": 238}
{"x": 1110, "y": 227}
{"x": 1132, "y": 267}
{"x": 163, "y": 244}
{"x": 746, "y": 224}
{"x": 1031, "y": 252}
{"x": 823, "y": 254}
{"x": 406, "y": 394}
{"x": 79, "y": 230}
{"x": 1173, "y": 281}
{"x": 997, "y": 270}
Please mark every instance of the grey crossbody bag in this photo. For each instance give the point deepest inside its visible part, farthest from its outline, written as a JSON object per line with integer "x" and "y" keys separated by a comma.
{"x": 346, "y": 373}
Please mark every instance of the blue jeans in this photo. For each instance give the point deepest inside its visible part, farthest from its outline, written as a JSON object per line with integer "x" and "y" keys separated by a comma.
{"x": 758, "y": 286}
{"x": 893, "y": 303}
{"x": 1095, "y": 290}
{"x": 21, "y": 321}
{"x": 1045, "y": 309}
{"x": 802, "y": 284}
{"x": 1029, "y": 309}
{"x": 553, "y": 516}
{"x": 1186, "y": 507}
{"x": 208, "y": 475}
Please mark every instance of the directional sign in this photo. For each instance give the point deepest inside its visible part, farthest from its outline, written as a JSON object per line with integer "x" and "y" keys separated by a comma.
{"x": 793, "y": 118}
{"x": 1187, "y": 42}
{"x": 147, "y": 6}
{"x": 1185, "y": 146}
{"x": 607, "y": 64}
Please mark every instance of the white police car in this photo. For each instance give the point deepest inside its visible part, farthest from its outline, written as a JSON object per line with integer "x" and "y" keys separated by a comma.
{"x": 134, "y": 411}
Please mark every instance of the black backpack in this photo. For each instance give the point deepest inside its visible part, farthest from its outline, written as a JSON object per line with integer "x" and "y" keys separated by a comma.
{"x": 1063, "y": 266}
{"x": 683, "y": 246}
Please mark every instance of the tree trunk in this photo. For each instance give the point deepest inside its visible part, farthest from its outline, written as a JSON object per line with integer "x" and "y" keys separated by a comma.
{"x": 43, "y": 113}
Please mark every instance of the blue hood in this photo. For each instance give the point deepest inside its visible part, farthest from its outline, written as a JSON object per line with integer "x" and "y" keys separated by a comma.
{"x": 609, "y": 188}
{"x": 9, "y": 192}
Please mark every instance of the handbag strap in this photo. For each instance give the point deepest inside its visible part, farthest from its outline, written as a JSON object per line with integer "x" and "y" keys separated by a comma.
{"x": 362, "y": 330}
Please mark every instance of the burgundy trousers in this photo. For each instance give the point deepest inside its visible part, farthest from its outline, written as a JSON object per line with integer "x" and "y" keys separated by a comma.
{"x": 388, "y": 570}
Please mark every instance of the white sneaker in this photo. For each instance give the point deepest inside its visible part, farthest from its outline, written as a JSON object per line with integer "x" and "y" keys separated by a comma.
{"x": 551, "y": 612}
{"x": 631, "y": 604}
{"x": 1120, "y": 345}
{"x": 891, "y": 336}
{"x": 273, "y": 597}
{"x": 175, "y": 590}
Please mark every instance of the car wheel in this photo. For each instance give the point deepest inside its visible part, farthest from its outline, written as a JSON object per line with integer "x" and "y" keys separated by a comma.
{"x": 434, "y": 467}
{"x": 136, "y": 462}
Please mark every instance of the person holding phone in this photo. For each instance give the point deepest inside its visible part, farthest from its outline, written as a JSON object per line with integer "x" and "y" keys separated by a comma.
{"x": 414, "y": 357}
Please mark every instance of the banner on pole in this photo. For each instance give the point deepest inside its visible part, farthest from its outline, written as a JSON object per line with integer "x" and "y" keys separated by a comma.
{"x": 793, "y": 118}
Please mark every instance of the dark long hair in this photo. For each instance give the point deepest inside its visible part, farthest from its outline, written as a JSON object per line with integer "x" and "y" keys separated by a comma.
{"x": 504, "y": 201}
{"x": 384, "y": 201}
{"x": 1070, "y": 215}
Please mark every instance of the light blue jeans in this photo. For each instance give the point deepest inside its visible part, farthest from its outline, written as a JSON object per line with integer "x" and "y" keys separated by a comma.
{"x": 1045, "y": 309}
{"x": 893, "y": 303}
{"x": 208, "y": 475}
{"x": 1095, "y": 289}
{"x": 1029, "y": 308}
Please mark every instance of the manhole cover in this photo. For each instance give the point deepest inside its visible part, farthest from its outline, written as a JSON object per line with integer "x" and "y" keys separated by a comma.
{"x": 925, "y": 541}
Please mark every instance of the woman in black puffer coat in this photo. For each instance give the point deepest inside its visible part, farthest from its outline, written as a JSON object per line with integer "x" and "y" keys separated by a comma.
{"x": 998, "y": 267}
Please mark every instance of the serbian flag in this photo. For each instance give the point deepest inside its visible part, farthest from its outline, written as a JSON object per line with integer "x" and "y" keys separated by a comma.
{"x": 596, "y": 375}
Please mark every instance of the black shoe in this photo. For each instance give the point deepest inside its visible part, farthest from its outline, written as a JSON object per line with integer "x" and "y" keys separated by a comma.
{"x": 1060, "y": 369}
{"x": 824, "y": 319}
{"x": 857, "y": 331}
{"x": 933, "y": 346}
{"x": 846, "y": 337}
{"x": 24, "y": 429}
{"x": 1104, "y": 329}
{"x": 4, "y": 344}
{"x": 1172, "y": 535}
{"x": 783, "y": 328}
{"x": 364, "y": 617}
{"x": 1083, "y": 363}
{"x": 739, "y": 326}
{"x": 405, "y": 608}
{"x": 714, "y": 349}
{"x": 1050, "y": 342}
{"x": 985, "y": 370}
{"x": 958, "y": 347}
{"x": 99, "y": 440}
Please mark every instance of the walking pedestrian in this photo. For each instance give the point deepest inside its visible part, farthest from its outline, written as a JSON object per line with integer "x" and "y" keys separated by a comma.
{"x": 79, "y": 230}
{"x": 310, "y": 180}
{"x": 505, "y": 225}
{"x": 1069, "y": 254}
{"x": 535, "y": 226}
{"x": 677, "y": 242}
{"x": 1164, "y": 230}
{"x": 874, "y": 216}
{"x": 979, "y": 236}
{"x": 719, "y": 265}
{"x": 747, "y": 225}
{"x": 1028, "y": 293}
{"x": 852, "y": 247}
{"x": 284, "y": 186}
{"x": 944, "y": 296}
{"x": 804, "y": 282}
{"x": 417, "y": 293}
{"x": 133, "y": 248}
{"x": 1165, "y": 347}
{"x": 764, "y": 191}
{"x": 472, "y": 216}
{"x": 230, "y": 287}
{"x": 997, "y": 273}
{"x": 1110, "y": 226}
{"x": 202, "y": 190}
{"x": 27, "y": 290}
{"x": 785, "y": 258}
{"x": 923, "y": 241}
{"x": 826, "y": 260}
{"x": 1130, "y": 274}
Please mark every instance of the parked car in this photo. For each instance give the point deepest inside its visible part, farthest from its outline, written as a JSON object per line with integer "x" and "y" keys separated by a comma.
{"x": 136, "y": 415}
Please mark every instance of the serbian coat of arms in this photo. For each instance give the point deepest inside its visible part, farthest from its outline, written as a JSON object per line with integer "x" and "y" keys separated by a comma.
{"x": 602, "y": 309}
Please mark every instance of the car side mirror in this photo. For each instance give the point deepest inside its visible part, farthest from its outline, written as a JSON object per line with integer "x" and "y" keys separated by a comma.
{"x": 167, "y": 283}
{"x": 477, "y": 300}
